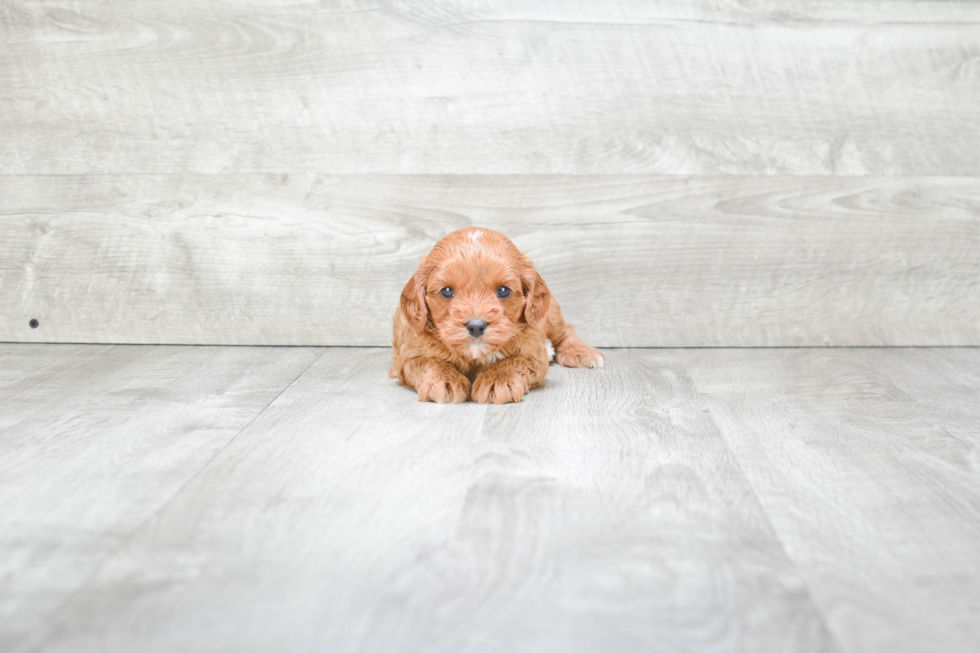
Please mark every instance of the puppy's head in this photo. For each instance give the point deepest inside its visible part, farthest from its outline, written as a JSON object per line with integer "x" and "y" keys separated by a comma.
{"x": 475, "y": 291}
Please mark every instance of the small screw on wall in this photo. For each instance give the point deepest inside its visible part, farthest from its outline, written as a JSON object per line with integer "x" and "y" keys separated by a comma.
{"x": 34, "y": 323}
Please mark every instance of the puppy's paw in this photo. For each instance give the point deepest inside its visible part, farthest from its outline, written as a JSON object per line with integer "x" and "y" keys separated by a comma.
{"x": 499, "y": 387}
{"x": 572, "y": 352}
{"x": 443, "y": 386}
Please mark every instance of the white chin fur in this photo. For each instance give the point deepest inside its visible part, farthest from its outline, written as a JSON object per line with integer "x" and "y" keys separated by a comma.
{"x": 479, "y": 352}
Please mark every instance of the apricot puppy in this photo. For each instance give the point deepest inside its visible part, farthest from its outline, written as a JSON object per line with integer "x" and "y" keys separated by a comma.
{"x": 475, "y": 321}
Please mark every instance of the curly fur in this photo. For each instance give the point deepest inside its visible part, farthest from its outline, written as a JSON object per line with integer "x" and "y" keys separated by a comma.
{"x": 434, "y": 353}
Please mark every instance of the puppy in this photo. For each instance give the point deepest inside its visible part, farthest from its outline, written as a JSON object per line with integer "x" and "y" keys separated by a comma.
{"x": 474, "y": 323}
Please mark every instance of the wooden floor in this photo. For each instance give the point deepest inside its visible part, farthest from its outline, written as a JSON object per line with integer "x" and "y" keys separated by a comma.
{"x": 295, "y": 499}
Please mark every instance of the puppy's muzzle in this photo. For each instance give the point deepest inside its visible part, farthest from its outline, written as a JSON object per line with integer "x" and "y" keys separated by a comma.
{"x": 476, "y": 327}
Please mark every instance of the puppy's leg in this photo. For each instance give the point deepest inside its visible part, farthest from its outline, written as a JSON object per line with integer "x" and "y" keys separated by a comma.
{"x": 509, "y": 380}
{"x": 570, "y": 350}
{"x": 436, "y": 380}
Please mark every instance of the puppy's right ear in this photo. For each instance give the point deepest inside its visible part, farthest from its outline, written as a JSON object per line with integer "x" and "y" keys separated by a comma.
{"x": 413, "y": 298}
{"x": 537, "y": 294}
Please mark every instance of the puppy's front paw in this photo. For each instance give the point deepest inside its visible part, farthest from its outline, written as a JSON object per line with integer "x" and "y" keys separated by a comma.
{"x": 575, "y": 353}
{"x": 443, "y": 386}
{"x": 499, "y": 387}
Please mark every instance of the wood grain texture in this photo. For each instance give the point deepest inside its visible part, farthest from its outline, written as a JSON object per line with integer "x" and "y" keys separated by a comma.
{"x": 874, "y": 498}
{"x": 603, "y": 513}
{"x": 94, "y": 440}
{"x": 944, "y": 382}
{"x": 634, "y": 261}
{"x": 552, "y": 86}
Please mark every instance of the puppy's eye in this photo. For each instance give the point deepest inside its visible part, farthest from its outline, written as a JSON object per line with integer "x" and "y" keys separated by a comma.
{"x": 447, "y": 292}
{"x": 503, "y": 292}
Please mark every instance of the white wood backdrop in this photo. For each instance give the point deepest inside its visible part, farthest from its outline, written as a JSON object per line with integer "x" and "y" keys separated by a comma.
{"x": 685, "y": 174}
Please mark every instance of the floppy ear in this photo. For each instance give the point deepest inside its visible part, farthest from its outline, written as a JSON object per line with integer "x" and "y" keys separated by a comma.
{"x": 536, "y": 294}
{"x": 413, "y": 298}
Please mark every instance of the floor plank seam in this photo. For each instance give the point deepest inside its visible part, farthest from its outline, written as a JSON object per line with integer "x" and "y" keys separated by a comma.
{"x": 627, "y": 506}
{"x": 82, "y": 587}
{"x": 818, "y": 608}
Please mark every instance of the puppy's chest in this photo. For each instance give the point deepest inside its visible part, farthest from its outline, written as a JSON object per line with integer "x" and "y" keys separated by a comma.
{"x": 489, "y": 359}
{"x": 473, "y": 368}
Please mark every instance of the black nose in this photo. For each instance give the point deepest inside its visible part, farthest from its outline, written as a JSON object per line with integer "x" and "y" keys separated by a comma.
{"x": 476, "y": 327}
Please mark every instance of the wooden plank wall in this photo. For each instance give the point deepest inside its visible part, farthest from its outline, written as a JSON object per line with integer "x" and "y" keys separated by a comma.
{"x": 762, "y": 173}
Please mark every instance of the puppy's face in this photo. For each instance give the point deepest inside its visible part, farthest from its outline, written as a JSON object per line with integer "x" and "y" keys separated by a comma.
{"x": 476, "y": 289}
{"x": 475, "y": 302}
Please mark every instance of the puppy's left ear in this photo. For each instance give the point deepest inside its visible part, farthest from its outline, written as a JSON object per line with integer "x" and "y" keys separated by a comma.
{"x": 536, "y": 294}
{"x": 413, "y": 298}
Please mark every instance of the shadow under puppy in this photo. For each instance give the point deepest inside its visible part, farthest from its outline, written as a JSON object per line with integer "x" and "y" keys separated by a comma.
{"x": 475, "y": 321}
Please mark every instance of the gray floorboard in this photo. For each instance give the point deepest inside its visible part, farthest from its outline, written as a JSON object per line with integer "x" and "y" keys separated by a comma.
{"x": 676, "y": 500}
{"x": 874, "y": 499}
{"x": 94, "y": 440}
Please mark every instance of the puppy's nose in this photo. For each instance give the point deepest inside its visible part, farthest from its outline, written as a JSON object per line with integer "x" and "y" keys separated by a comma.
{"x": 476, "y": 327}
